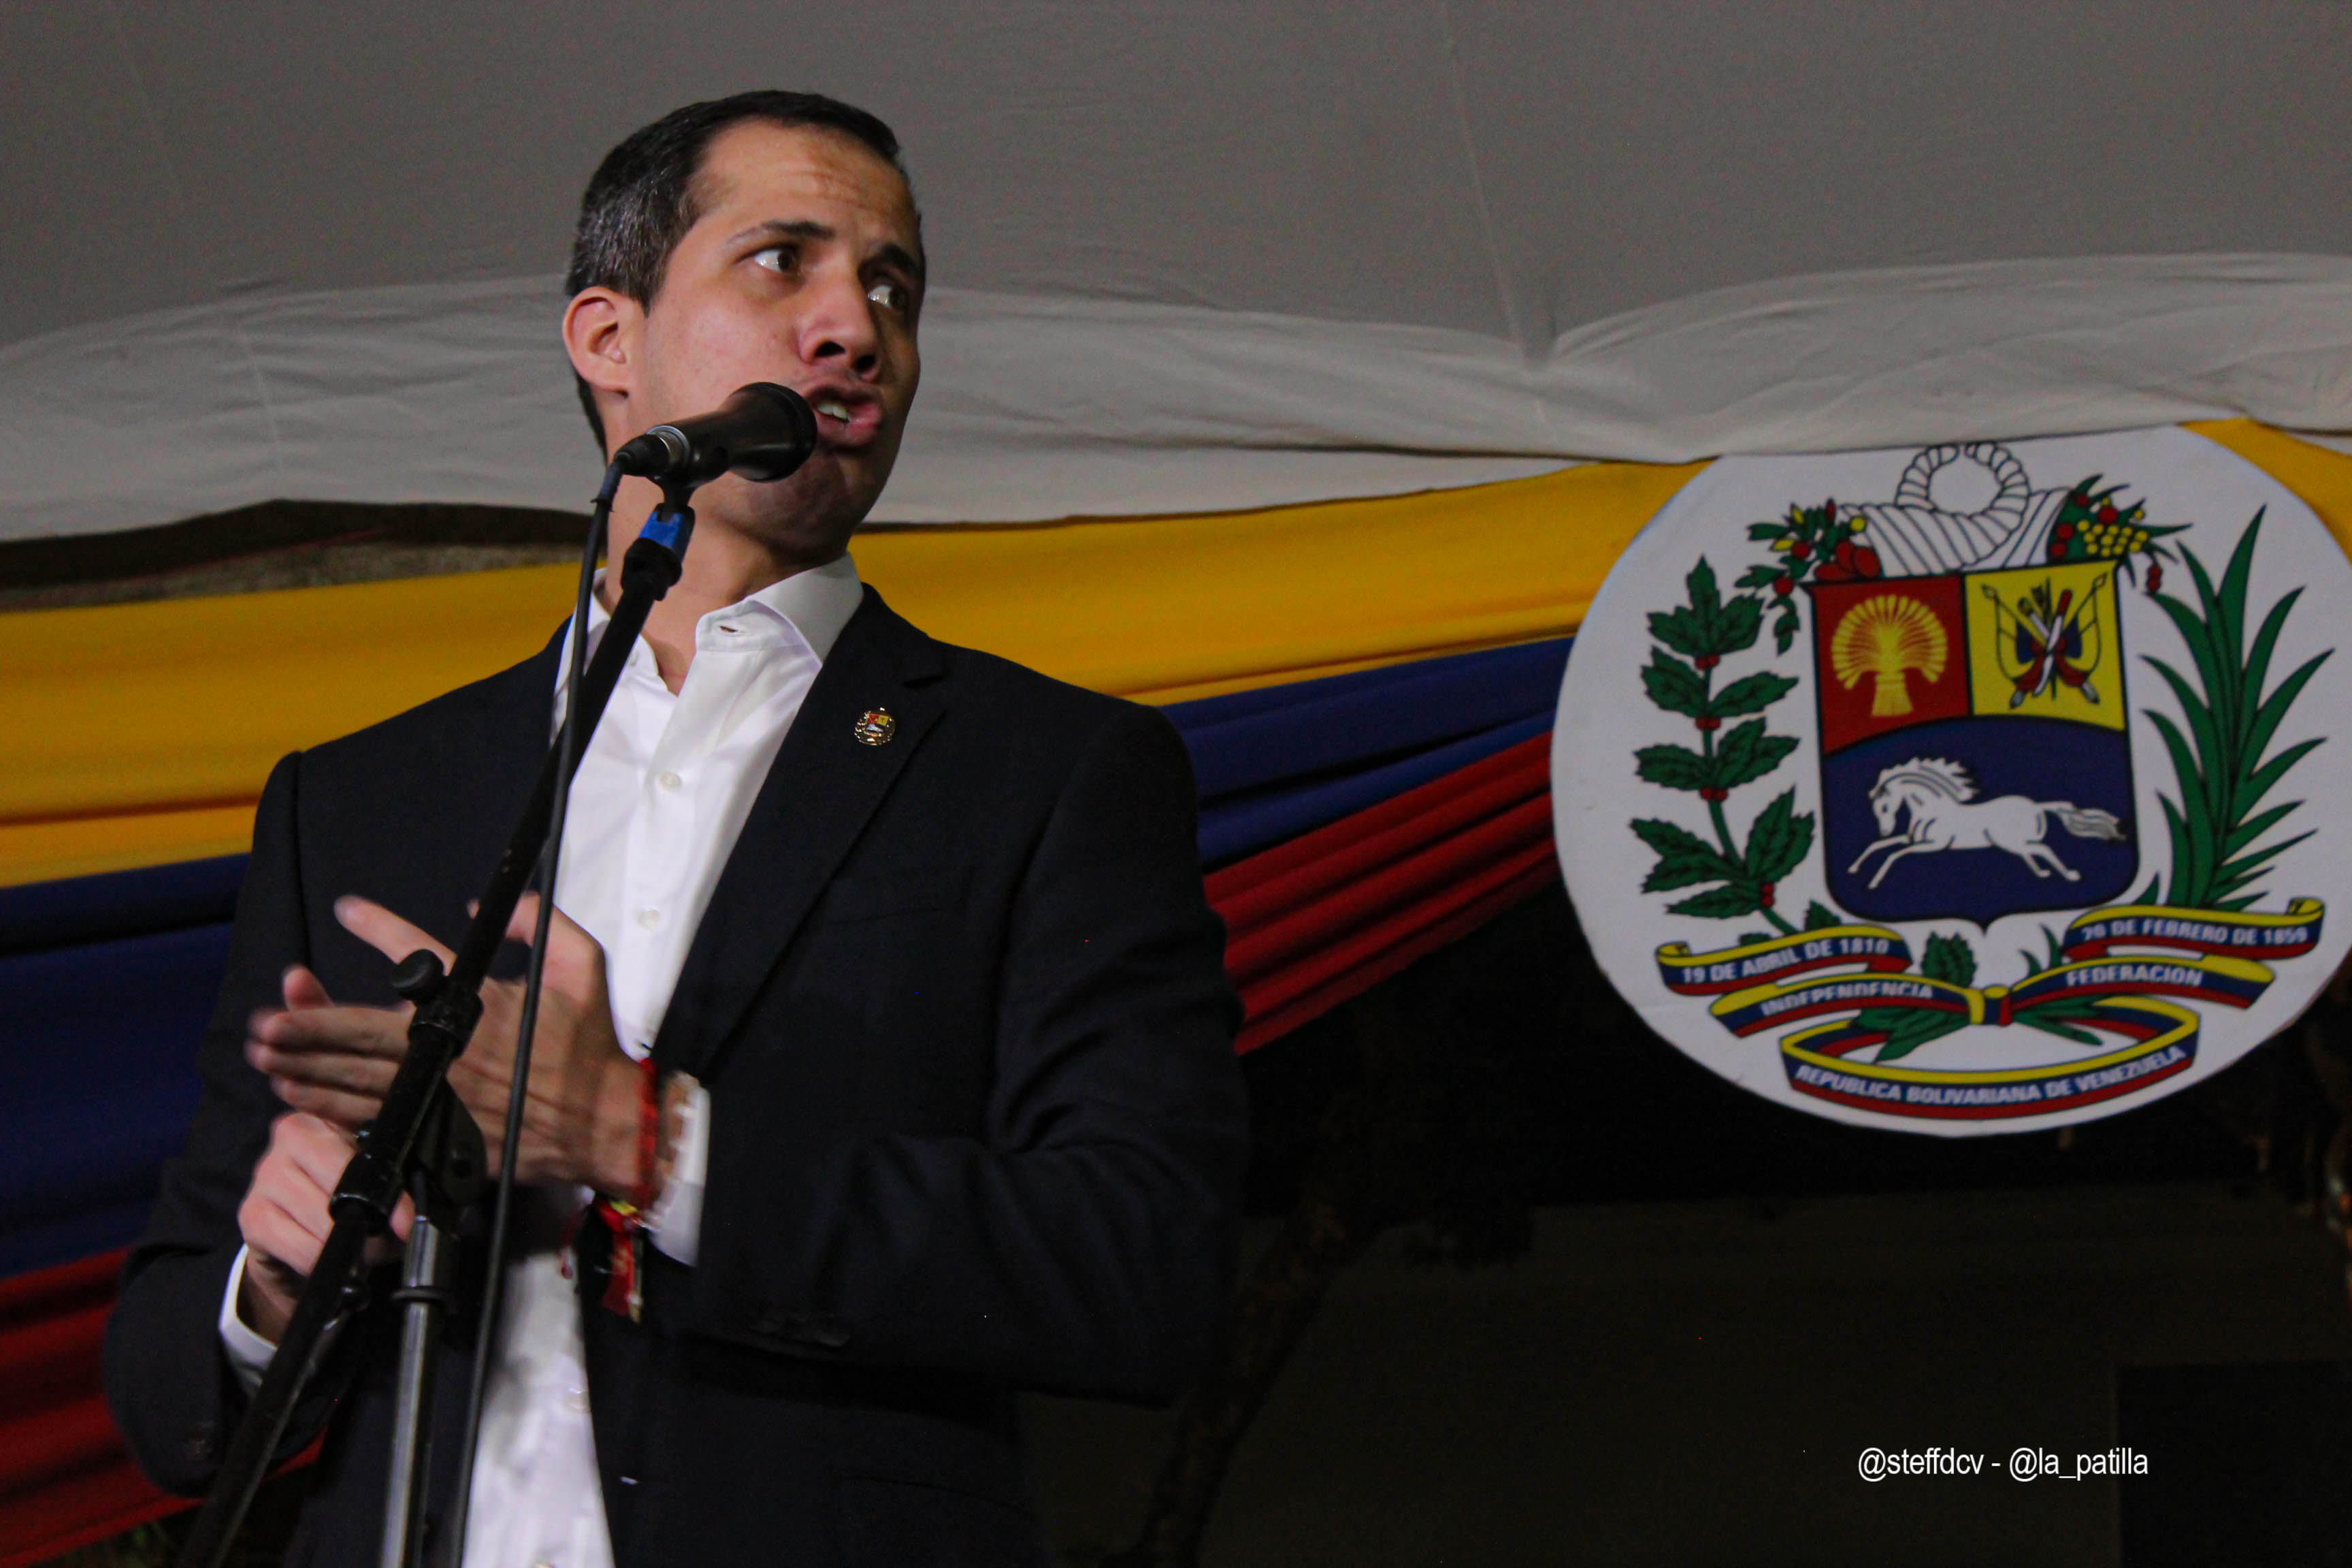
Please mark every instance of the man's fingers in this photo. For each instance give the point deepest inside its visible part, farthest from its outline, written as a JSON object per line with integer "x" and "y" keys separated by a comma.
{"x": 562, "y": 930}
{"x": 272, "y": 1230}
{"x": 383, "y": 930}
{"x": 572, "y": 953}
{"x": 280, "y": 1237}
{"x": 284, "y": 1216}
{"x": 358, "y": 1070}
{"x": 318, "y": 1148}
{"x": 302, "y": 990}
{"x": 345, "y": 1109}
{"x": 380, "y": 1032}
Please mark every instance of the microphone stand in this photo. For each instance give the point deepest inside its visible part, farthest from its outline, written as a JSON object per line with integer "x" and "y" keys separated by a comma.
{"x": 394, "y": 1150}
{"x": 448, "y": 1177}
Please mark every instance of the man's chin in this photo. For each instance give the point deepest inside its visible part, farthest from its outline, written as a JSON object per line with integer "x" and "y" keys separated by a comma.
{"x": 808, "y": 517}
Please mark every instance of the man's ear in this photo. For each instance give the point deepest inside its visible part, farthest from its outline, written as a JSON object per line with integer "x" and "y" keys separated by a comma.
{"x": 602, "y": 328}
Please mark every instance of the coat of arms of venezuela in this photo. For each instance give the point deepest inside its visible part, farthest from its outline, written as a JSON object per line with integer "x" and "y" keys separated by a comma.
{"x": 1975, "y": 788}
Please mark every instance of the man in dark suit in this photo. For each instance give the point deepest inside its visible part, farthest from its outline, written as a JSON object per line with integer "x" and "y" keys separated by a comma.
{"x": 938, "y": 1033}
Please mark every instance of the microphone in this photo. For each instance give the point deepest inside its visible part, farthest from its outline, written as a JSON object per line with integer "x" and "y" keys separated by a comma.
{"x": 763, "y": 432}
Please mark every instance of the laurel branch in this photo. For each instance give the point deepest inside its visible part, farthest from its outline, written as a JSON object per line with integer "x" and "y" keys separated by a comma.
{"x": 1693, "y": 639}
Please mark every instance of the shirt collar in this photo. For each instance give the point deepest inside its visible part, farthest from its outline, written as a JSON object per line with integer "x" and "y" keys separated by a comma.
{"x": 816, "y": 603}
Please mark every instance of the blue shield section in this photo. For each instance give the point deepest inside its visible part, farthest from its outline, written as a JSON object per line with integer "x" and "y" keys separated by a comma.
{"x": 2021, "y": 768}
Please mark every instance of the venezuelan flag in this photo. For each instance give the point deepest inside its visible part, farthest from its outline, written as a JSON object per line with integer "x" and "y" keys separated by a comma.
{"x": 1367, "y": 688}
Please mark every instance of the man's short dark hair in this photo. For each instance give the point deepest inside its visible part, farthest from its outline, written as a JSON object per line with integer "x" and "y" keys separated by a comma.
{"x": 641, "y": 200}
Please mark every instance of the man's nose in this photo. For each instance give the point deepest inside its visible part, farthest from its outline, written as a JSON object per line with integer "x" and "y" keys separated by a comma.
{"x": 838, "y": 329}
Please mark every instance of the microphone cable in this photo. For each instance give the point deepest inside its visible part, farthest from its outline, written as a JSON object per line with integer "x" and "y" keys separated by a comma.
{"x": 568, "y": 742}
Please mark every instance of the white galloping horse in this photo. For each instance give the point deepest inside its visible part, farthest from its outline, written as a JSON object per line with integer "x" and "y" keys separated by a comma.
{"x": 1947, "y": 815}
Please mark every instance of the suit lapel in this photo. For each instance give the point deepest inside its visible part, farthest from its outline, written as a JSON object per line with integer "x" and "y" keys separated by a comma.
{"x": 499, "y": 763}
{"x": 523, "y": 718}
{"x": 823, "y": 787}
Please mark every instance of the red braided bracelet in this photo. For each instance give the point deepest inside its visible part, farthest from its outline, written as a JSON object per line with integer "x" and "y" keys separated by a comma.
{"x": 624, "y": 1218}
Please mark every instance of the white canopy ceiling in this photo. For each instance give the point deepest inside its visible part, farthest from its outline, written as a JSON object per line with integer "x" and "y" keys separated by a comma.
{"x": 1188, "y": 254}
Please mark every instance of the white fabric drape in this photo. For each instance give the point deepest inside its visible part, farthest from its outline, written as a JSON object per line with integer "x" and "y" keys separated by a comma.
{"x": 1036, "y": 408}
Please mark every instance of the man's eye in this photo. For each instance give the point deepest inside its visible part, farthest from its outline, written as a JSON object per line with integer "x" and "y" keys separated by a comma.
{"x": 774, "y": 257}
{"x": 888, "y": 294}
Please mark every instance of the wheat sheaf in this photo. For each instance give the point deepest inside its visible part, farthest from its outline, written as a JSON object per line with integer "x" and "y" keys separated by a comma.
{"x": 1884, "y": 636}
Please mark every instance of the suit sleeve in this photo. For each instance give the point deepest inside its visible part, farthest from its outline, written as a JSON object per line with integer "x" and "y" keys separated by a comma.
{"x": 1086, "y": 1244}
{"x": 168, "y": 1380}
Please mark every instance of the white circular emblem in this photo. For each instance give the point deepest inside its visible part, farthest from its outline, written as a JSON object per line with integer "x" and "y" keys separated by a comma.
{"x": 1971, "y": 789}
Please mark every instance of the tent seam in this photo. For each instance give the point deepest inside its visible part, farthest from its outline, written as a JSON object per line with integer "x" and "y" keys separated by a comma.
{"x": 195, "y": 236}
{"x": 1477, "y": 179}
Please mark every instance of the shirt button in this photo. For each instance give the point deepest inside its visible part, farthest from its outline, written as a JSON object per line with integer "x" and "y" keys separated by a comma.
{"x": 728, "y": 630}
{"x": 669, "y": 781}
{"x": 649, "y": 918}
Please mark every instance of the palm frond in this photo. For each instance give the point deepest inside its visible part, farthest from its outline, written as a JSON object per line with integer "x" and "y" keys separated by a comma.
{"x": 2227, "y": 721}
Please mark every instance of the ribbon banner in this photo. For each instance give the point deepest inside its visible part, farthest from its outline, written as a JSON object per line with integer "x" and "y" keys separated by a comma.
{"x": 1756, "y": 987}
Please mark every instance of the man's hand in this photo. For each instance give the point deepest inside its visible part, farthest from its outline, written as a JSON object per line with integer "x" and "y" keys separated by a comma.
{"x": 285, "y": 1222}
{"x": 581, "y": 1113}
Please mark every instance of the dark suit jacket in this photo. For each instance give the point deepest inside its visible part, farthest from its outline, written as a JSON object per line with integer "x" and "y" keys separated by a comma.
{"x": 976, "y": 1125}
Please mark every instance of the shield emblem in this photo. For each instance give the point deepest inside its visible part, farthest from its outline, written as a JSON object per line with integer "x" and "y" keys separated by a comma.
{"x": 1876, "y": 805}
{"x": 1975, "y": 750}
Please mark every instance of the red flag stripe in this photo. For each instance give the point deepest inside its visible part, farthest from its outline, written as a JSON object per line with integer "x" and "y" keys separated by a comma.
{"x": 1325, "y": 917}
{"x": 1312, "y": 922}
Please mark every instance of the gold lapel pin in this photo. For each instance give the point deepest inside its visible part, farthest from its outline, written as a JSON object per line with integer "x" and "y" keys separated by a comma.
{"x": 875, "y": 728}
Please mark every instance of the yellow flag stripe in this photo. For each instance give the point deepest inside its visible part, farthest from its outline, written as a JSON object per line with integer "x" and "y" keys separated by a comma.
{"x": 137, "y": 725}
{"x": 140, "y": 734}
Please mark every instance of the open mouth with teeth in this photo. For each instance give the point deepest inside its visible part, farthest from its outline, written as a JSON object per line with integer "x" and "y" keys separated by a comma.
{"x": 845, "y": 420}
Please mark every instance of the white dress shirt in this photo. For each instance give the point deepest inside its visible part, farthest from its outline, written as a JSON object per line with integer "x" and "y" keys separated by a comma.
{"x": 659, "y": 802}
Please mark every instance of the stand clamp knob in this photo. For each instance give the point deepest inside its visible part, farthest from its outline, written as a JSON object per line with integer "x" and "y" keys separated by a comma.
{"x": 419, "y": 977}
